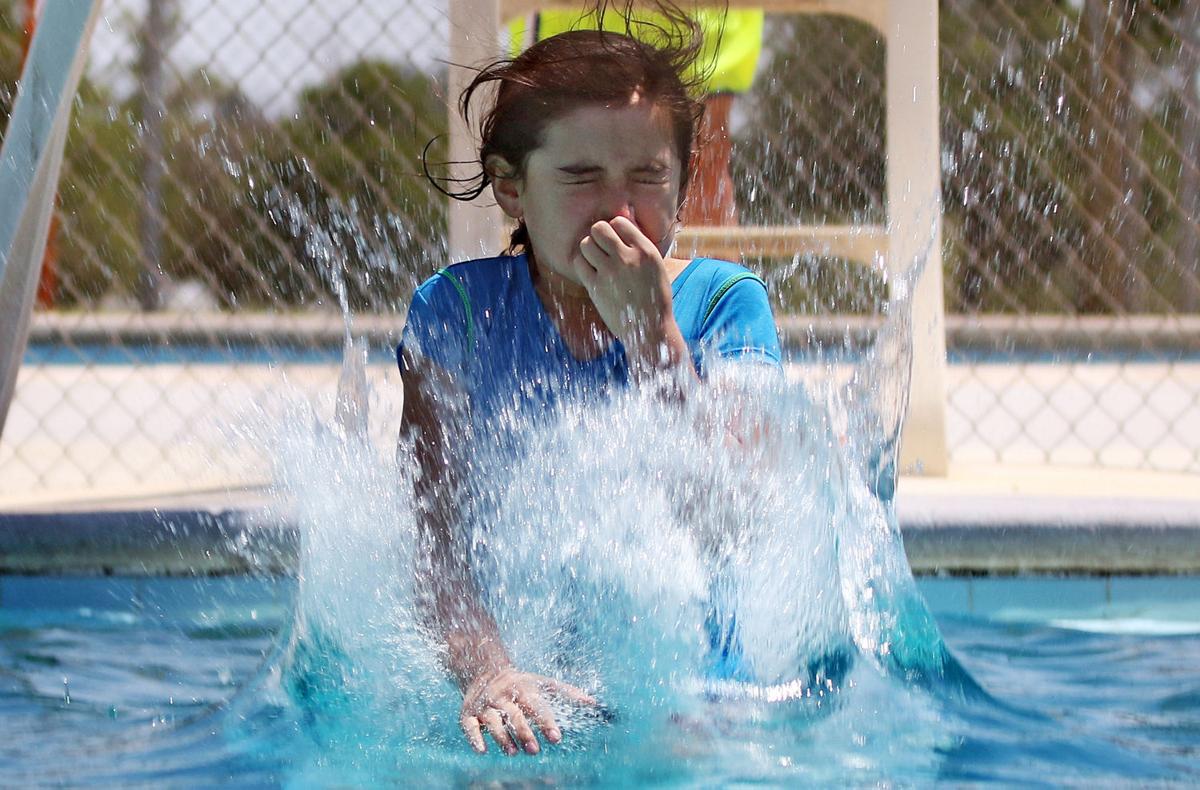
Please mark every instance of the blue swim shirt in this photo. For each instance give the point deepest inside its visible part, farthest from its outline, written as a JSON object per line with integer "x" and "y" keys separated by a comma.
{"x": 483, "y": 323}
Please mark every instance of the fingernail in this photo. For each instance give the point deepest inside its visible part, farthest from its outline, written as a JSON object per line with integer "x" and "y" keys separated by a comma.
{"x": 510, "y": 750}
{"x": 532, "y": 747}
{"x": 554, "y": 735}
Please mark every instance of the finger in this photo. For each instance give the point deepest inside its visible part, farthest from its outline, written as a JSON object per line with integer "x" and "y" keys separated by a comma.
{"x": 630, "y": 234}
{"x": 594, "y": 258}
{"x": 634, "y": 235}
{"x": 520, "y": 727}
{"x": 570, "y": 692}
{"x": 470, "y": 726}
{"x": 492, "y": 719}
{"x": 606, "y": 237}
{"x": 536, "y": 708}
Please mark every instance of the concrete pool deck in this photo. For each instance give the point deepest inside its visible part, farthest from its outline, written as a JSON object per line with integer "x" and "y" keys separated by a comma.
{"x": 977, "y": 520}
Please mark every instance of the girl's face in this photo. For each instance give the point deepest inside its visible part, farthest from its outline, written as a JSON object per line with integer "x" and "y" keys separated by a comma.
{"x": 596, "y": 163}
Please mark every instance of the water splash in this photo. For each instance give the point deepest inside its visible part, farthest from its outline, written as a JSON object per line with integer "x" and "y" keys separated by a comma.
{"x": 725, "y": 563}
{"x": 605, "y": 564}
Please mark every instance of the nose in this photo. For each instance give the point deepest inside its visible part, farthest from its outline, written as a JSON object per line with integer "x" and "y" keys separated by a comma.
{"x": 612, "y": 197}
{"x": 626, "y": 210}
{"x": 614, "y": 200}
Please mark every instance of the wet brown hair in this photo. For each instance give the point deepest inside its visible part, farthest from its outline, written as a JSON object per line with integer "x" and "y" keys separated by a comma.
{"x": 564, "y": 72}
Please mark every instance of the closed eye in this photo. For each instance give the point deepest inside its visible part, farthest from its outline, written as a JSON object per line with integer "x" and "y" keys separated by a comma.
{"x": 654, "y": 174}
{"x": 575, "y": 175}
{"x": 579, "y": 174}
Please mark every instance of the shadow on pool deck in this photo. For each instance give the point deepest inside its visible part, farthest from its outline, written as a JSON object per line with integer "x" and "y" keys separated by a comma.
{"x": 977, "y": 520}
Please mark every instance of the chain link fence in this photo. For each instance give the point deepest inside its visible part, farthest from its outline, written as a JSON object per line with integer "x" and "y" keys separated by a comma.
{"x": 240, "y": 172}
{"x": 1071, "y": 191}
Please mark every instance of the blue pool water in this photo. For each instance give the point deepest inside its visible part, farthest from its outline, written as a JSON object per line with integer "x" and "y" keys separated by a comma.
{"x": 177, "y": 681}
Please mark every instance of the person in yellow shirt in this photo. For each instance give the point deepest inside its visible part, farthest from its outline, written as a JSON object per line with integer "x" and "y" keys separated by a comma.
{"x": 728, "y": 60}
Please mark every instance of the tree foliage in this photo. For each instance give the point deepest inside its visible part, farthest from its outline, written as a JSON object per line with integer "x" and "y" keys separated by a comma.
{"x": 265, "y": 211}
{"x": 1063, "y": 147}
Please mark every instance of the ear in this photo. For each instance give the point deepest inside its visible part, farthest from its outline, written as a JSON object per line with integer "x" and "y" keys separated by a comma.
{"x": 505, "y": 188}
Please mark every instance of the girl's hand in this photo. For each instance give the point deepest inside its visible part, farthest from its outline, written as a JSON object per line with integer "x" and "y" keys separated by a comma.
{"x": 627, "y": 281}
{"x": 506, "y": 700}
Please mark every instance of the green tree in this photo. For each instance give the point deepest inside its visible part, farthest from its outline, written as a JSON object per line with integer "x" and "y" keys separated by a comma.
{"x": 1066, "y": 162}
{"x": 265, "y": 212}
{"x": 353, "y": 170}
{"x": 99, "y": 194}
{"x": 1060, "y": 144}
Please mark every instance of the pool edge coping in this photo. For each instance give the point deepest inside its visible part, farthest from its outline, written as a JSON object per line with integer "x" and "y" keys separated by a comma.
{"x": 955, "y": 534}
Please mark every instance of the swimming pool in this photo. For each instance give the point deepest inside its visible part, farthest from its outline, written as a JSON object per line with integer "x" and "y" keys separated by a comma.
{"x": 177, "y": 681}
{"x": 603, "y": 562}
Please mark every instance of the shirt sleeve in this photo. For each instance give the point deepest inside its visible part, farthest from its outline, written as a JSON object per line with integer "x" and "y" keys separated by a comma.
{"x": 741, "y": 325}
{"x": 437, "y": 326}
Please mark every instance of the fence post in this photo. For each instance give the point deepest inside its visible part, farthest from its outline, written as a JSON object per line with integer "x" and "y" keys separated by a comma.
{"x": 914, "y": 202}
{"x": 153, "y": 41}
{"x": 474, "y": 228}
{"x": 30, "y": 161}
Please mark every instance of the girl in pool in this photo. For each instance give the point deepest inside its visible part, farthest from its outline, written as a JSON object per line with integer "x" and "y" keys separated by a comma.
{"x": 587, "y": 147}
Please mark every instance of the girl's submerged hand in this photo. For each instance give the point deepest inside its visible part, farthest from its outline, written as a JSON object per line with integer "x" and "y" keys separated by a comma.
{"x": 506, "y": 702}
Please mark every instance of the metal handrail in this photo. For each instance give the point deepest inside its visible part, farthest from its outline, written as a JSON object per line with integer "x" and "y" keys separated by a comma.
{"x": 30, "y": 161}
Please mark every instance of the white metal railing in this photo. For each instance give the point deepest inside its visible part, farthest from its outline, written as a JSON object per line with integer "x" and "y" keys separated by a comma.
{"x": 30, "y": 161}
{"x": 913, "y": 172}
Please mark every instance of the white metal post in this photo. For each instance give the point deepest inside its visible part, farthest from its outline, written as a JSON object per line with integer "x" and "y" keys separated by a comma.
{"x": 914, "y": 188}
{"x": 475, "y": 227}
{"x": 29, "y": 165}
